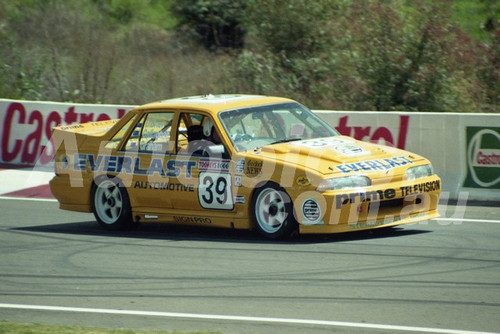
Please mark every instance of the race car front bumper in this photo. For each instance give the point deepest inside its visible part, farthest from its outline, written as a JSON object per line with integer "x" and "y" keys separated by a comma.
{"x": 383, "y": 205}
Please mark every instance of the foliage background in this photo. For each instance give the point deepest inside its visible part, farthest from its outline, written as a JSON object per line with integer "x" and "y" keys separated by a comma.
{"x": 330, "y": 54}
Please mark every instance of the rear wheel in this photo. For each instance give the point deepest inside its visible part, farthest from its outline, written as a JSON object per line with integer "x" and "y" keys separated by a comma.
{"x": 273, "y": 212}
{"x": 111, "y": 205}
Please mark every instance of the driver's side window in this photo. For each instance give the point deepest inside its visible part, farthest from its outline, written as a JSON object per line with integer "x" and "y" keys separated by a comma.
{"x": 198, "y": 136}
{"x": 189, "y": 132}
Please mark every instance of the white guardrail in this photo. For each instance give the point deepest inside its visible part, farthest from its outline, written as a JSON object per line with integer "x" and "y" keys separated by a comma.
{"x": 464, "y": 148}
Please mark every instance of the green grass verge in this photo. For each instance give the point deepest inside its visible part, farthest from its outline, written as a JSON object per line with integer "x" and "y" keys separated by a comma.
{"x": 7, "y": 327}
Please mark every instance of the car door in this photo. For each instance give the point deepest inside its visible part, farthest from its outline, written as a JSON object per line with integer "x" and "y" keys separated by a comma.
{"x": 204, "y": 180}
{"x": 147, "y": 151}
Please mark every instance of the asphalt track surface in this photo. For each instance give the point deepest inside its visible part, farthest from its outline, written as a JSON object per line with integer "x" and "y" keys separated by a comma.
{"x": 60, "y": 267}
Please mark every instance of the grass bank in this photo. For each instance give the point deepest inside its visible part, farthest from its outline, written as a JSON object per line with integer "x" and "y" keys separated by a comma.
{"x": 7, "y": 327}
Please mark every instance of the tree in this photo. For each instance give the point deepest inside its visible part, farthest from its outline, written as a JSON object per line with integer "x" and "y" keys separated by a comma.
{"x": 216, "y": 23}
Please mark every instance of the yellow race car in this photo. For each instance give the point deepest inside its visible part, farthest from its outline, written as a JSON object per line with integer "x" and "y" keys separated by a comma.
{"x": 237, "y": 161}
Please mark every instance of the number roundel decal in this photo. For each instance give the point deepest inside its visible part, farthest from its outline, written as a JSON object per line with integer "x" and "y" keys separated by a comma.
{"x": 214, "y": 191}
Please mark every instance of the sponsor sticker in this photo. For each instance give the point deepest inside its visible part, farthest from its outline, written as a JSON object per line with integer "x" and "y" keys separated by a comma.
{"x": 240, "y": 199}
{"x": 303, "y": 180}
{"x": 239, "y": 166}
{"x": 132, "y": 165}
{"x": 350, "y": 150}
{"x": 253, "y": 168}
{"x": 385, "y": 194}
{"x": 483, "y": 157}
{"x": 311, "y": 211}
{"x": 375, "y": 165}
{"x": 323, "y": 142}
{"x": 164, "y": 186}
{"x": 214, "y": 165}
{"x": 238, "y": 182}
{"x": 192, "y": 220}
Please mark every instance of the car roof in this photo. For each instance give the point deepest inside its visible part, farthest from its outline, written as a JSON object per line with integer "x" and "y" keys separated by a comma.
{"x": 214, "y": 103}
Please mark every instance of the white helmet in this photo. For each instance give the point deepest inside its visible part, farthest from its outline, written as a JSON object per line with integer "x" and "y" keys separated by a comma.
{"x": 207, "y": 127}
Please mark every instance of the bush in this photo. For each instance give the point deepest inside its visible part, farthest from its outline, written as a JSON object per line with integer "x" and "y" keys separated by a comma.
{"x": 366, "y": 55}
{"x": 347, "y": 54}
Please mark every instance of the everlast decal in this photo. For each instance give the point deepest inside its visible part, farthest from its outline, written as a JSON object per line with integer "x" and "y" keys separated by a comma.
{"x": 131, "y": 165}
{"x": 375, "y": 165}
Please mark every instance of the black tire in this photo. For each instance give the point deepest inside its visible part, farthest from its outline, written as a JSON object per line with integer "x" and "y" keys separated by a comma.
{"x": 272, "y": 211}
{"x": 111, "y": 205}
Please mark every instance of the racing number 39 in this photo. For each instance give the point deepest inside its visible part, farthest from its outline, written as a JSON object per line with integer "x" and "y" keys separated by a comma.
{"x": 214, "y": 191}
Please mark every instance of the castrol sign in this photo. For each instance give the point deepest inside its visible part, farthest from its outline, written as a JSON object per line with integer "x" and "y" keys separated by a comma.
{"x": 26, "y": 127}
{"x": 483, "y": 157}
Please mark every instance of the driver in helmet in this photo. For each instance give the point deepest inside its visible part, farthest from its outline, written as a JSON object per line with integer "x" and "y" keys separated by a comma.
{"x": 210, "y": 132}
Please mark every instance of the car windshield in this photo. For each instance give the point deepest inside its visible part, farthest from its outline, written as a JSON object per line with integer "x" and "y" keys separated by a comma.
{"x": 255, "y": 127}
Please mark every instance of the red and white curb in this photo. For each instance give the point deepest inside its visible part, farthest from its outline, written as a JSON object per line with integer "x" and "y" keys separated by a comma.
{"x": 25, "y": 183}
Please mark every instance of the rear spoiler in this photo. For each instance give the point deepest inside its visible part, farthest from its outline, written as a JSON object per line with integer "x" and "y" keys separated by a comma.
{"x": 70, "y": 138}
{"x": 89, "y": 129}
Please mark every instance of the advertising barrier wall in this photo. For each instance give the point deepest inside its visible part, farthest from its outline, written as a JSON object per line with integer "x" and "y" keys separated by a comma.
{"x": 464, "y": 148}
{"x": 26, "y": 127}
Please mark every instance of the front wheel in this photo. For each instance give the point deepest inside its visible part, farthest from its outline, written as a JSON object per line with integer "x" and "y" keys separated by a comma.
{"x": 273, "y": 212}
{"x": 110, "y": 205}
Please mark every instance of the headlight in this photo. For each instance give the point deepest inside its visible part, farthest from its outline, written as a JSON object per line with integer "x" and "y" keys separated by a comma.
{"x": 354, "y": 181}
{"x": 419, "y": 171}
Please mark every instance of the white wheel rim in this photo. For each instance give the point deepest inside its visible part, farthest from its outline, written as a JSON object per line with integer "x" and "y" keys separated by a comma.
{"x": 270, "y": 210}
{"x": 108, "y": 202}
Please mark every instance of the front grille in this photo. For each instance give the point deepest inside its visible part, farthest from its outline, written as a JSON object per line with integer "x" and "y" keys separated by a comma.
{"x": 387, "y": 207}
{"x": 393, "y": 203}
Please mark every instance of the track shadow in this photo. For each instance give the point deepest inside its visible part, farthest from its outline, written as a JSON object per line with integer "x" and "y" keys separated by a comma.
{"x": 201, "y": 233}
